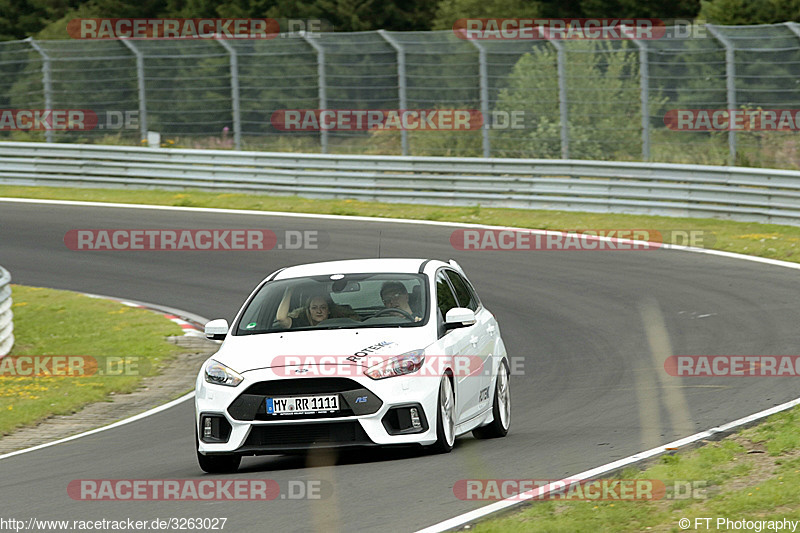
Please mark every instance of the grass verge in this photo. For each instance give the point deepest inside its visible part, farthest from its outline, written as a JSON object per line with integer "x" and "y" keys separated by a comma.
{"x": 60, "y": 323}
{"x": 764, "y": 240}
{"x": 753, "y": 475}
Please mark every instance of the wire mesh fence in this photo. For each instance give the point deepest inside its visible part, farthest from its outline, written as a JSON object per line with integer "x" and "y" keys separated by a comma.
{"x": 575, "y": 99}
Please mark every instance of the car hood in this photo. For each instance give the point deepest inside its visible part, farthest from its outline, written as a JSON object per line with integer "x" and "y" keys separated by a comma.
{"x": 245, "y": 353}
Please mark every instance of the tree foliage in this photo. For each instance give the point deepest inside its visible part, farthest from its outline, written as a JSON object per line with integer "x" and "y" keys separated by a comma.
{"x": 602, "y": 96}
{"x": 750, "y": 11}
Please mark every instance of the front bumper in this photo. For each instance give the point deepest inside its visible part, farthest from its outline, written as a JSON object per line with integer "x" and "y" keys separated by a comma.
{"x": 368, "y": 415}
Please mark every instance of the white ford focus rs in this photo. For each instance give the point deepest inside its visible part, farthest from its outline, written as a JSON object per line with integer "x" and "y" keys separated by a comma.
{"x": 361, "y": 352}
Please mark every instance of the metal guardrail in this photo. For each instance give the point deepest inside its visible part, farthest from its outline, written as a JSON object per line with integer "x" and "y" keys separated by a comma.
{"x": 6, "y": 323}
{"x": 750, "y": 194}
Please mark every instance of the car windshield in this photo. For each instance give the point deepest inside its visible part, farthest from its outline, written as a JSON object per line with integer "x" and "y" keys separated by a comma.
{"x": 336, "y": 301}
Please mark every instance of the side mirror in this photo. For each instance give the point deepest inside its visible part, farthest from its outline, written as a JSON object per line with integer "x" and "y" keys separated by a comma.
{"x": 459, "y": 317}
{"x": 217, "y": 330}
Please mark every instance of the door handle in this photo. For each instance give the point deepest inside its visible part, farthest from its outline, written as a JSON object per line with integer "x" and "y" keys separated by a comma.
{"x": 473, "y": 340}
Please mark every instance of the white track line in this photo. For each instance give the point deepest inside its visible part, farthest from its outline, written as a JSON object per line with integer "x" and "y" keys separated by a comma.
{"x": 214, "y": 210}
{"x": 188, "y": 330}
{"x": 504, "y": 504}
{"x": 153, "y": 411}
{"x": 600, "y": 470}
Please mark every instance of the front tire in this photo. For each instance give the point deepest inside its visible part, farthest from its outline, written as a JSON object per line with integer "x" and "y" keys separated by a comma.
{"x": 219, "y": 464}
{"x": 501, "y": 408}
{"x": 445, "y": 419}
{"x": 216, "y": 464}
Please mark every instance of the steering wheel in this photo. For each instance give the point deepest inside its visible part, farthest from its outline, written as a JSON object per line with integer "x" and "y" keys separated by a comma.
{"x": 386, "y": 311}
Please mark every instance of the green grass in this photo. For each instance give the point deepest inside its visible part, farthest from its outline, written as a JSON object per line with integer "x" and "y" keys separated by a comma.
{"x": 51, "y": 322}
{"x": 764, "y": 240}
{"x": 738, "y": 485}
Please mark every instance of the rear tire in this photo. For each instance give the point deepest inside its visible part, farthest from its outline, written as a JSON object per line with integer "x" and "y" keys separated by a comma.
{"x": 445, "y": 418}
{"x": 501, "y": 408}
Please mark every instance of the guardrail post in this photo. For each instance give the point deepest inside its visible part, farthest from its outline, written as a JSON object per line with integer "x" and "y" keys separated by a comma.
{"x": 235, "y": 102}
{"x": 730, "y": 82}
{"x": 6, "y": 316}
{"x": 140, "y": 82}
{"x": 323, "y": 93}
{"x": 47, "y": 83}
{"x": 484, "y": 77}
{"x": 401, "y": 82}
{"x": 794, "y": 27}
{"x": 562, "y": 96}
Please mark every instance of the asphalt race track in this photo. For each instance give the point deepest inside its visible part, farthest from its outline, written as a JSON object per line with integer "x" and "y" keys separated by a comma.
{"x": 592, "y": 390}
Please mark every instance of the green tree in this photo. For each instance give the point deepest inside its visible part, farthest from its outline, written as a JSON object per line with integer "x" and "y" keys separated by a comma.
{"x": 22, "y": 18}
{"x": 730, "y": 12}
{"x": 677, "y": 9}
{"x": 449, "y": 11}
{"x": 603, "y": 110}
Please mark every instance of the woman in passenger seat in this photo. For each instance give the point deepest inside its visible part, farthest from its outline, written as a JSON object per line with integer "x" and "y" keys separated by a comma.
{"x": 316, "y": 308}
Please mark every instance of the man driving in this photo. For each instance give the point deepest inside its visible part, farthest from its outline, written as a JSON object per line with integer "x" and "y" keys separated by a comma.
{"x": 395, "y": 296}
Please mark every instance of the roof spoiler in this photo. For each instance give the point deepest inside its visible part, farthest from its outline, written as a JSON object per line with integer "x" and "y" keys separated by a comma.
{"x": 455, "y": 265}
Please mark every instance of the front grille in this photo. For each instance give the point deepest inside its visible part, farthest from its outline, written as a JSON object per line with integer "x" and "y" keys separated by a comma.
{"x": 354, "y": 400}
{"x": 286, "y": 387}
{"x": 294, "y": 436}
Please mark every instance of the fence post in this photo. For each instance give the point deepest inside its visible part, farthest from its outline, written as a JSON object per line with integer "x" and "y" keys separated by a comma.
{"x": 484, "y": 77}
{"x": 644, "y": 86}
{"x": 401, "y": 82}
{"x": 6, "y": 316}
{"x": 140, "y": 82}
{"x": 730, "y": 82}
{"x": 235, "y": 102}
{"x": 323, "y": 98}
{"x": 47, "y": 83}
{"x": 562, "y": 96}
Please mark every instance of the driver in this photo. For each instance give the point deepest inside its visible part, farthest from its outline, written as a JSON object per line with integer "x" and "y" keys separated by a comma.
{"x": 395, "y": 296}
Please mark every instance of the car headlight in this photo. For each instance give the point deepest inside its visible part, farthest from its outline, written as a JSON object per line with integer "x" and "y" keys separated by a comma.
{"x": 407, "y": 363}
{"x": 219, "y": 374}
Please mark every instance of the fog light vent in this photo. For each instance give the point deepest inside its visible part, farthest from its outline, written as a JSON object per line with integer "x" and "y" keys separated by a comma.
{"x": 404, "y": 419}
{"x": 216, "y": 428}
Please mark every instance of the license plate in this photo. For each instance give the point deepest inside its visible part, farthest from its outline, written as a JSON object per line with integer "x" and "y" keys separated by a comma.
{"x": 302, "y": 404}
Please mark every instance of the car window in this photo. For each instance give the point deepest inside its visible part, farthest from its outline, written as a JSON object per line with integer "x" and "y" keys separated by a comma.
{"x": 349, "y": 301}
{"x": 466, "y": 297}
{"x": 445, "y": 299}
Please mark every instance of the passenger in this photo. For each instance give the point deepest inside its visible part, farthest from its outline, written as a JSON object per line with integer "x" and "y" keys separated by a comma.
{"x": 316, "y": 308}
